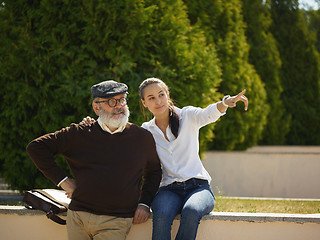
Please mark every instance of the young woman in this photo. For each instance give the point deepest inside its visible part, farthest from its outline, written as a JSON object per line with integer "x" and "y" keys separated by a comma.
{"x": 185, "y": 185}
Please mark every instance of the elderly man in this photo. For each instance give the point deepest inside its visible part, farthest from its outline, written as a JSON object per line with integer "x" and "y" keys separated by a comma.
{"x": 108, "y": 161}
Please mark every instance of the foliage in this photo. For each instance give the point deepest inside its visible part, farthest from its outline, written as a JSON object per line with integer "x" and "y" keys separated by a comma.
{"x": 223, "y": 25}
{"x": 265, "y": 57}
{"x": 313, "y": 19}
{"x": 52, "y": 52}
{"x": 299, "y": 73}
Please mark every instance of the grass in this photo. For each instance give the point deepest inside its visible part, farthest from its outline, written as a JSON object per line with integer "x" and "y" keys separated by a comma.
{"x": 266, "y": 206}
{"x": 11, "y": 203}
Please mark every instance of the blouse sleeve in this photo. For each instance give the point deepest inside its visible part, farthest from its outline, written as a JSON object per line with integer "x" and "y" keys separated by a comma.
{"x": 203, "y": 116}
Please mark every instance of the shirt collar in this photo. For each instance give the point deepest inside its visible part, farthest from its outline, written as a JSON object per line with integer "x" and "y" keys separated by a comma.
{"x": 105, "y": 127}
{"x": 153, "y": 122}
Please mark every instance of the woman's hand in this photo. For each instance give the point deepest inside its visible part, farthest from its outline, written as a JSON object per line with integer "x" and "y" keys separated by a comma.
{"x": 229, "y": 101}
{"x": 87, "y": 121}
{"x": 232, "y": 101}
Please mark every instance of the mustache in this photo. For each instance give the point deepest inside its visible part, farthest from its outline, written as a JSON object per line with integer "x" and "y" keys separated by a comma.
{"x": 117, "y": 111}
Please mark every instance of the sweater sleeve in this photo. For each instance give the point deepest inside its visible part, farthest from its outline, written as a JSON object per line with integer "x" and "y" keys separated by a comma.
{"x": 43, "y": 150}
{"x": 152, "y": 173}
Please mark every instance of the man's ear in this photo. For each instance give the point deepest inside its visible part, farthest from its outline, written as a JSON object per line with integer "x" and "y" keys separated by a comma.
{"x": 95, "y": 107}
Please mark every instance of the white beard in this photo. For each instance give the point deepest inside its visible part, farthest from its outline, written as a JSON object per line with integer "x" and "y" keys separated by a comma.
{"x": 111, "y": 121}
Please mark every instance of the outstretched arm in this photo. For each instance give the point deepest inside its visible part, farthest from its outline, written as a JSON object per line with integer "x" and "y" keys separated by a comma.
{"x": 231, "y": 101}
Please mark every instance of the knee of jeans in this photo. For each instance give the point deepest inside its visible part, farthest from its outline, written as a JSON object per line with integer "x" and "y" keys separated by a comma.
{"x": 193, "y": 213}
{"x": 162, "y": 215}
{"x": 190, "y": 213}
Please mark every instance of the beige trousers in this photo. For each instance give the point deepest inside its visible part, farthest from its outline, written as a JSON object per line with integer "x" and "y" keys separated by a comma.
{"x": 88, "y": 226}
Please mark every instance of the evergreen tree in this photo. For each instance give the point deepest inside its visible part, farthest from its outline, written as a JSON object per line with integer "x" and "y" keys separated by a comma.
{"x": 300, "y": 72}
{"x": 265, "y": 57}
{"x": 313, "y": 19}
{"x": 223, "y": 25}
{"x": 52, "y": 52}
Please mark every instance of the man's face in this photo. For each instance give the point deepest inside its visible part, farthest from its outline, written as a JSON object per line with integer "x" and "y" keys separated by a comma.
{"x": 113, "y": 117}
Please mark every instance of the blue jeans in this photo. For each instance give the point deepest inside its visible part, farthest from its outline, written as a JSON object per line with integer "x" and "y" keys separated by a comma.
{"x": 192, "y": 199}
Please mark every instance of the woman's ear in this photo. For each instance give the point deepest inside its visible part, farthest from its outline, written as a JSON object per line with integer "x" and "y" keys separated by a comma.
{"x": 143, "y": 103}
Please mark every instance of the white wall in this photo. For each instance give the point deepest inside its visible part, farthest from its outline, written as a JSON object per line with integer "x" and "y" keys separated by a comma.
{"x": 279, "y": 172}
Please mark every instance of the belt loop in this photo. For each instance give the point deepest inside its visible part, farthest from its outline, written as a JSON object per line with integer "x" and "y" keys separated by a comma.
{"x": 194, "y": 181}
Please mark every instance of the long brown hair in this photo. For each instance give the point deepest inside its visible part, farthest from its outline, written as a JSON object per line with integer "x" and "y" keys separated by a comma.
{"x": 173, "y": 116}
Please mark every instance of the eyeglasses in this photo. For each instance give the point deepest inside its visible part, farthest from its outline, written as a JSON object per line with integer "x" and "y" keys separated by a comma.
{"x": 112, "y": 102}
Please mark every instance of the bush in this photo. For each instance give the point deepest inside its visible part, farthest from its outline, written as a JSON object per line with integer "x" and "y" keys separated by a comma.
{"x": 300, "y": 72}
{"x": 52, "y": 52}
{"x": 224, "y": 27}
{"x": 265, "y": 57}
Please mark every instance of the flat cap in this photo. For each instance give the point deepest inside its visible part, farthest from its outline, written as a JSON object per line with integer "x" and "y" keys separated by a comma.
{"x": 108, "y": 89}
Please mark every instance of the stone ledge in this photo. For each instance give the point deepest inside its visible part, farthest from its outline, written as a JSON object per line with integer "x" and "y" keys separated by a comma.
{"x": 19, "y": 210}
{"x": 285, "y": 149}
{"x": 263, "y": 217}
{"x": 221, "y": 216}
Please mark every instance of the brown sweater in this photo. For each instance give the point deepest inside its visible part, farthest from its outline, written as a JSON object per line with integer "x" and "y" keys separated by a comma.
{"x": 108, "y": 168}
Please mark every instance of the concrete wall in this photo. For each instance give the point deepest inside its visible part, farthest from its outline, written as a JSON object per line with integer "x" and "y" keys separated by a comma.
{"x": 278, "y": 172}
{"x": 19, "y": 223}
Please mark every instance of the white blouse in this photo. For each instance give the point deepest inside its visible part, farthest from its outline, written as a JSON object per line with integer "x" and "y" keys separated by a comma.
{"x": 179, "y": 157}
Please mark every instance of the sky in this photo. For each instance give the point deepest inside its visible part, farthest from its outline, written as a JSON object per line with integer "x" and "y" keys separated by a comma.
{"x": 311, "y": 3}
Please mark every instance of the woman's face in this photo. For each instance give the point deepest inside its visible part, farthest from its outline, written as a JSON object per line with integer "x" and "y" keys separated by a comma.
{"x": 155, "y": 98}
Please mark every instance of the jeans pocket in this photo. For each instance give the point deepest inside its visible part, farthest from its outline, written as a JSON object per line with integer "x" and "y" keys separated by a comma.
{"x": 207, "y": 187}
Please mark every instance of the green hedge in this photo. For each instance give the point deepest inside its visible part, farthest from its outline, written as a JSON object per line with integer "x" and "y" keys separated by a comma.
{"x": 265, "y": 57}
{"x": 223, "y": 25}
{"x": 300, "y": 72}
{"x": 53, "y": 51}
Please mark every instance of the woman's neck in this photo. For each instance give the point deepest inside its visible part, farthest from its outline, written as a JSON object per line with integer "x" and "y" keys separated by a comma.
{"x": 162, "y": 121}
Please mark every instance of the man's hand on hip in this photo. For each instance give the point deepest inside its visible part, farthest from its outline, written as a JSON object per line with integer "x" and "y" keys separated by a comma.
{"x": 69, "y": 185}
